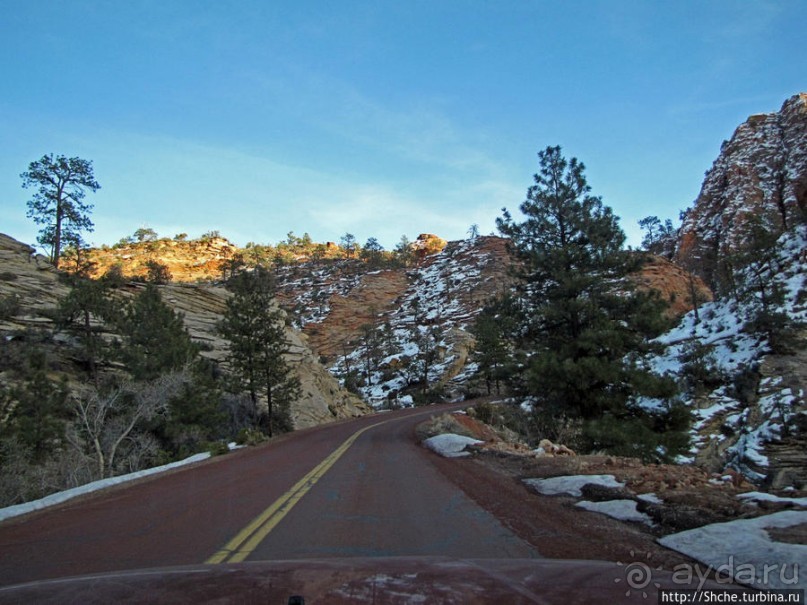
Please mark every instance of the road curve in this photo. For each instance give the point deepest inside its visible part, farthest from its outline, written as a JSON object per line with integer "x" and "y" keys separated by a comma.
{"x": 380, "y": 497}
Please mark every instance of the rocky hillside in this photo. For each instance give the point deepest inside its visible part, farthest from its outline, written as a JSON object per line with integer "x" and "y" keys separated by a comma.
{"x": 186, "y": 260}
{"x": 431, "y": 304}
{"x": 337, "y": 303}
{"x": 743, "y": 357}
{"x": 761, "y": 172}
{"x": 748, "y": 391}
{"x": 30, "y": 288}
{"x": 334, "y": 298}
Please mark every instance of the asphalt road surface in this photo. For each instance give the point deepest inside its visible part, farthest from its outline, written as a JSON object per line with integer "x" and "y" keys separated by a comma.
{"x": 361, "y": 488}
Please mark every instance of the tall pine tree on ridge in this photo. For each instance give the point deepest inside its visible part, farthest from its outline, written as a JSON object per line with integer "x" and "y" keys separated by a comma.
{"x": 581, "y": 322}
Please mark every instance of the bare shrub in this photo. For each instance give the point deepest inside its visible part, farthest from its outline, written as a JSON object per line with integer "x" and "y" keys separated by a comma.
{"x": 438, "y": 425}
{"x": 109, "y": 424}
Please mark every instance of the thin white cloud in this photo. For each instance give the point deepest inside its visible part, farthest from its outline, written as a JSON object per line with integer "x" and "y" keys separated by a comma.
{"x": 181, "y": 186}
{"x": 420, "y": 132}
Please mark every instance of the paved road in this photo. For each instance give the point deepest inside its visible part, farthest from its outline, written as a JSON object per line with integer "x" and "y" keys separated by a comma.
{"x": 358, "y": 488}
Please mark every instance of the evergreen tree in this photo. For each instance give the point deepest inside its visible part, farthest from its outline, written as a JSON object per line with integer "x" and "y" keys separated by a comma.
{"x": 255, "y": 327}
{"x": 157, "y": 273}
{"x": 145, "y": 234}
{"x": 579, "y": 316}
{"x": 58, "y": 204}
{"x": 372, "y": 349}
{"x": 404, "y": 254}
{"x": 82, "y": 312}
{"x": 39, "y": 407}
{"x": 491, "y": 351}
{"x": 155, "y": 339}
{"x": 373, "y": 253}
{"x": 659, "y": 238}
{"x": 349, "y": 245}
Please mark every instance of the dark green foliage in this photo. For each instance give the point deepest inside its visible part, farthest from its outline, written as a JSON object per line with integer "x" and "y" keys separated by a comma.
{"x": 9, "y": 306}
{"x": 145, "y": 234}
{"x": 82, "y": 313}
{"x": 653, "y": 437}
{"x": 195, "y": 413}
{"x": 404, "y": 254}
{"x": 420, "y": 365}
{"x": 218, "y": 448}
{"x": 38, "y": 407}
{"x": 255, "y": 327}
{"x": 58, "y": 204}
{"x": 372, "y": 348}
{"x": 492, "y": 351}
{"x": 699, "y": 368}
{"x": 155, "y": 340}
{"x": 659, "y": 238}
{"x": 157, "y": 273}
{"x": 231, "y": 267}
{"x": 579, "y": 315}
{"x": 580, "y": 319}
{"x": 779, "y": 329}
{"x": 114, "y": 277}
{"x": 372, "y": 253}
{"x": 349, "y": 245}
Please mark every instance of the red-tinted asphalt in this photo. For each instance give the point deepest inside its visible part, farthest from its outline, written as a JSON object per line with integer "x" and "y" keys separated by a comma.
{"x": 383, "y": 497}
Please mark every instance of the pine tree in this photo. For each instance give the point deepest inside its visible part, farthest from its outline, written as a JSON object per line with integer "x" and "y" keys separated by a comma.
{"x": 40, "y": 407}
{"x": 82, "y": 313}
{"x": 255, "y": 327}
{"x": 491, "y": 350}
{"x": 58, "y": 204}
{"x": 580, "y": 319}
{"x": 155, "y": 339}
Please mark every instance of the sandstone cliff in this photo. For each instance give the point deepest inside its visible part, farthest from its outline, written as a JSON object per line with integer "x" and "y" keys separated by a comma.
{"x": 679, "y": 288}
{"x": 334, "y": 304}
{"x": 34, "y": 285}
{"x": 760, "y": 172}
{"x": 187, "y": 261}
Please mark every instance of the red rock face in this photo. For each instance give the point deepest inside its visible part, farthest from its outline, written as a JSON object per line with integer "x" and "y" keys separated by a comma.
{"x": 761, "y": 172}
{"x": 675, "y": 285}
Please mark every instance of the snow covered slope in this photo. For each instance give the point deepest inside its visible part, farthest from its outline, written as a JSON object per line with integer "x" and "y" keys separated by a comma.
{"x": 748, "y": 399}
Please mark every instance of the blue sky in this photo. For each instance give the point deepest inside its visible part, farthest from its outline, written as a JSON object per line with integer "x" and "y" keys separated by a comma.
{"x": 378, "y": 118}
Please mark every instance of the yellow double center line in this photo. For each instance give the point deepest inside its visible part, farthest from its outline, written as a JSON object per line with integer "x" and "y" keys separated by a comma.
{"x": 247, "y": 540}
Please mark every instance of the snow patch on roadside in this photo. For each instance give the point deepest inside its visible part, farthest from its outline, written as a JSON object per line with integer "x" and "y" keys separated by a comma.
{"x": 763, "y": 497}
{"x": 571, "y": 484}
{"x": 651, "y": 498}
{"x": 744, "y": 550}
{"x": 623, "y": 510}
{"x": 450, "y": 445}
{"x": 59, "y": 497}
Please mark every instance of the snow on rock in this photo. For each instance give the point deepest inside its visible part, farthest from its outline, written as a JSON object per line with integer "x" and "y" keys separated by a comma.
{"x": 450, "y": 445}
{"x": 763, "y": 497}
{"x": 651, "y": 498}
{"x": 759, "y": 173}
{"x": 432, "y": 318}
{"x": 744, "y": 550}
{"x": 59, "y": 497}
{"x": 735, "y": 423}
{"x": 571, "y": 484}
{"x": 623, "y": 510}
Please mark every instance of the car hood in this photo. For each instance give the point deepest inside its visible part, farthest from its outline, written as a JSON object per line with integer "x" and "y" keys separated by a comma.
{"x": 361, "y": 580}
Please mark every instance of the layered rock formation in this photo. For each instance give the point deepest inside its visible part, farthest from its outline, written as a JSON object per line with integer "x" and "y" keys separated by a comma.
{"x": 187, "y": 261}
{"x": 333, "y": 302}
{"x": 679, "y": 288}
{"x": 322, "y": 399}
{"x": 761, "y": 173}
{"x": 34, "y": 286}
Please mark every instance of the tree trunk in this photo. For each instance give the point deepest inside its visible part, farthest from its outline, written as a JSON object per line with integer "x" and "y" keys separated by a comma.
{"x": 269, "y": 410}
